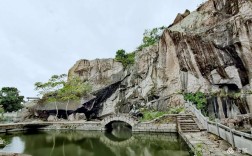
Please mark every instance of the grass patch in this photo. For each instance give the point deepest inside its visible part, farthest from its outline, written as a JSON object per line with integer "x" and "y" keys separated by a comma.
{"x": 151, "y": 115}
{"x": 176, "y": 110}
{"x": 198, "y": 150}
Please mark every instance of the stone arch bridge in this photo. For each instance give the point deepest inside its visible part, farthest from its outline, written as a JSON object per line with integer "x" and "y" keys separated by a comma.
{"x": 132, "y": 121}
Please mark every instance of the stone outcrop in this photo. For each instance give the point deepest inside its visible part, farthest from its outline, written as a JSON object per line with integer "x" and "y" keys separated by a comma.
{"x": 99, "y": 72}
{"x": 207, "y": 50}
{"x": 180, "y": 17}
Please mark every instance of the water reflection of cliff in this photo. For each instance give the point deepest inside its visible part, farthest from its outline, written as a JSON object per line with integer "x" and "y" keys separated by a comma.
{"x": 80, "y": 143}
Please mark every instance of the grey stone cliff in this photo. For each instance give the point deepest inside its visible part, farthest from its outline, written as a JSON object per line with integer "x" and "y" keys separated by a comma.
{"x": 208, "y": 50}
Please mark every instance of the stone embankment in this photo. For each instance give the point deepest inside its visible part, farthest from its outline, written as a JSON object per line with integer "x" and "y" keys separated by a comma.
{"x": 137, "y": 126}
{"x": 188, "y": 127}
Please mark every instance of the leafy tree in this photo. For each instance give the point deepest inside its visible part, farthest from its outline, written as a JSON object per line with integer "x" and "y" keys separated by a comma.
{"x": 120, "y": 55}
{"x": 58, "y": 89}
{"x": 74, "y": 89}
{"x": 125, "y": 58}
{"x": 130, "y": 58}
{"x": 150, "y": 37}
{"x": 49, "y": 89}
{"x": 199, "y": 99}
{"x": 10, "y": 100}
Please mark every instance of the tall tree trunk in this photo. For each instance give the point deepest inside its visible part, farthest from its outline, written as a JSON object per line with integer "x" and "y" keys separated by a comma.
{"x": 67, "y": 107}
{"x": 57, "y": 111}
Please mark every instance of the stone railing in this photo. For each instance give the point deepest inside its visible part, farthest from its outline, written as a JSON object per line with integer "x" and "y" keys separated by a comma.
{"x": 240, "y": 140}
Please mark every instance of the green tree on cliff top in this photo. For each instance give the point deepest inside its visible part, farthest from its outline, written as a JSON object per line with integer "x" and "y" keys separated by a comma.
{"x": 150, "y": 37}
{"x": 125, "y": 58}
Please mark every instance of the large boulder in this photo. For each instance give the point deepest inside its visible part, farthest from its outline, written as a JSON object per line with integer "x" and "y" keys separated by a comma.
{"x": 80, "y": 116}
{"x": 52, "y": 118}
{"x": 71, "y": 117}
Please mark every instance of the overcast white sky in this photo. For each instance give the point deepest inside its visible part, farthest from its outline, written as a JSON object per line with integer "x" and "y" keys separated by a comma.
{"x": 39, "y": 38}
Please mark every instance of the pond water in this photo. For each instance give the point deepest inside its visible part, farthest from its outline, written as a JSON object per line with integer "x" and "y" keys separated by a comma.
{"x": 79, "y": 143}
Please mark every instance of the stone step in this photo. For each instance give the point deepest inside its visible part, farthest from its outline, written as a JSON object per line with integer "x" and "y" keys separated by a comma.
{"x": 184, "y": 118}
{"x": 190, "y": 130}
{"x": 193, "y": 127}
{"x": 188, "y": 126}
{"x": 186, "y": 121}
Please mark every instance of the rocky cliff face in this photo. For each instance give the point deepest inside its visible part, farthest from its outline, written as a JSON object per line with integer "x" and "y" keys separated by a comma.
{"x": 207, "y": 50}
{"x": 99, "y": 72}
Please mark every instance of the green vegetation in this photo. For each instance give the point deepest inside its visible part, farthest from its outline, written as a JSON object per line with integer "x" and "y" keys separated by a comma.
{"x": 198, "y": 98}
{"x": 58, "y": 89}
{"x": 198, "y": 150}
{"x": 52, "y": 85}
{"x": 10, "y": 100}
{"x": 151, "y": 115}
{"x": 49, "y": 89}
{"x": 74, "y": 89}
{"x": 125, "y": 58}
{"x": 175, "y": 110}
{"x": 150, "y": 37}
{"x": 232, "y": 95}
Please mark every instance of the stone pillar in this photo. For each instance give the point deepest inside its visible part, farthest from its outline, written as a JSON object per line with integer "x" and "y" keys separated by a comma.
{"x": 221, "y": 111}
{"x": 249, "y": 101}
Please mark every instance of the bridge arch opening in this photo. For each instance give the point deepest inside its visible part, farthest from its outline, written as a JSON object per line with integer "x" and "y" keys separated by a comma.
{"x": 118, "y": 130}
